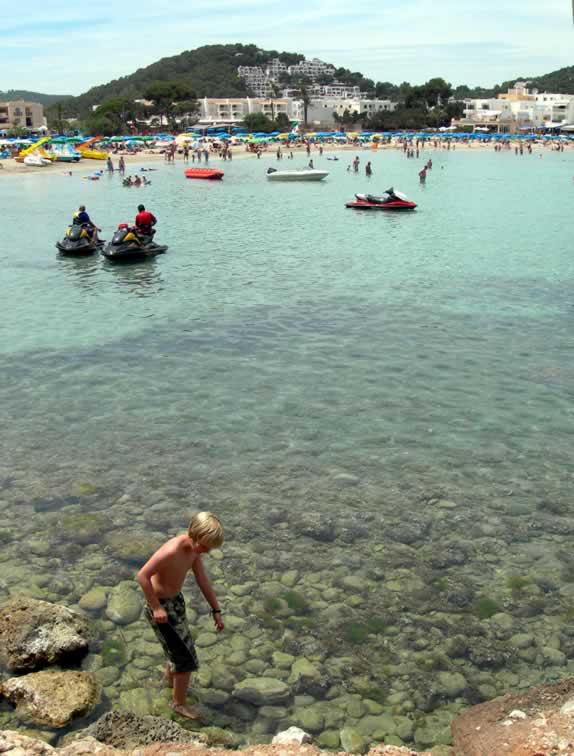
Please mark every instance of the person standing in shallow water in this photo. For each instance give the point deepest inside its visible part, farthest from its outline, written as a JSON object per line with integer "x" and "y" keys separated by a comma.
{"x": 161, "y": 579}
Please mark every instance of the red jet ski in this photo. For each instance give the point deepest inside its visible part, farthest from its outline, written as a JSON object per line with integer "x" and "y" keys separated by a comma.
{"x": 390, "y": 200}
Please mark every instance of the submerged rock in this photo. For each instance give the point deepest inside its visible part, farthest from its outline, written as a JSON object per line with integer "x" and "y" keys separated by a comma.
{"x": 35, "y": 633}
{"x": 262, "y": 691}
{"x": 124, "y": 603}
{"x": 352, "y": 741}
{"x": 52, "y": 698}
{"x": 136, "y": 549}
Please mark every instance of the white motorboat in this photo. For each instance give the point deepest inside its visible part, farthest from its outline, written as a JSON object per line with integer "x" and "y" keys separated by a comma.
{"x": 36, "y": 160}
{"x": 305, "y": 174}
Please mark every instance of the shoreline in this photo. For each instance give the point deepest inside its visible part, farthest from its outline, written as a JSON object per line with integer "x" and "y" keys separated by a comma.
{"x": 9, "y": 166}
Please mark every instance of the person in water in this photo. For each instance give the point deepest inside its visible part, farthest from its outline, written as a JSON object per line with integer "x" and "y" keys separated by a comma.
{"x": 368, "y": 169}
{"x": 145, "y": 221}
{"x": 161, "y": 579}
{"x": 311, "y": 166}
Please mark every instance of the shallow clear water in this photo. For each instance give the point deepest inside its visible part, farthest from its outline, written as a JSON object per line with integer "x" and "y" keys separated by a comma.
{"x": 378, "y": 396}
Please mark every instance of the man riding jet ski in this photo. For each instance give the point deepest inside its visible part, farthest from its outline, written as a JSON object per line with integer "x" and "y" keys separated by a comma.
{"x": 145, "y": 221}
{"x": 128, "y": 244}
{"x": 78, "y": 241}
{"x": 81, "y": 237}
{"x": 81, "y": 218}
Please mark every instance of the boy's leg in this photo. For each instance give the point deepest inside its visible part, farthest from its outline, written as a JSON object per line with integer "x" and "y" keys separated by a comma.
{"x": 180, "y": 686}
{"x": 167, "y": 679}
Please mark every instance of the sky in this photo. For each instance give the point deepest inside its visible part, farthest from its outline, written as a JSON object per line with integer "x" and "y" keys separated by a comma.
{"x": 66, "y": 48}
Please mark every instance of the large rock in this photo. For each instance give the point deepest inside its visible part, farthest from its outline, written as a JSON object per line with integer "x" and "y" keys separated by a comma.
{"x": 35, "y": 633}
{"x": 52, "y": 698}
{"x": 14, "y": 744}
{"x": 291, "y": 735}
{"x": 122, "y": 729}
{"x": 538, "y": 721}
{"x": 262, "y": 691}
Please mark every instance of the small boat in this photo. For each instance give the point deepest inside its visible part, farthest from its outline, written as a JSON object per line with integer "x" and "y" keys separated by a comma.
{"x": 305, "y": 174}
{"x": 212, "y": 174}
{"x": 36, "y": 160}
{"x": 93, "y": 154}
{"x": 389, "y": 200}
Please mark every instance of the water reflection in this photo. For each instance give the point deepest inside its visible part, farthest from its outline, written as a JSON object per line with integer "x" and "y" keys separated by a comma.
{"x": 82, "y": 271}
{"x": 141, "y": 278}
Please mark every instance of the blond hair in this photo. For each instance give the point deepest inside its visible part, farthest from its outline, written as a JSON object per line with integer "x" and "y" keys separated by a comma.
{"x": 206, "y": 529}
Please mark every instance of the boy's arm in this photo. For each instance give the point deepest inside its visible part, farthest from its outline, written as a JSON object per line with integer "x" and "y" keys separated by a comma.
{"x": 144, "y": 576}
{"x": 205, "y": 587}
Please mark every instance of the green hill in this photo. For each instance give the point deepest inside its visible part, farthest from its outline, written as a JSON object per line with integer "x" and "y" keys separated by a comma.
{"x": 24, "y": 94}
{"x": 210, "y": 71}
{"x": 561, "y": 81}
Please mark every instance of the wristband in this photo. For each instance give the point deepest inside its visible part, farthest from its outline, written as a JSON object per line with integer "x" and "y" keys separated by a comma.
{"x": 215, "y": 611}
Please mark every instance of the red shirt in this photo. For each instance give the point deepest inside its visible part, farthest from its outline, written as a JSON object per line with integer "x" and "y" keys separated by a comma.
{"x": 145, "y": 218}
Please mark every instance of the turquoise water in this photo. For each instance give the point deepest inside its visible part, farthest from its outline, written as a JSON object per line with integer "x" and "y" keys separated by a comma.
{"x": 378, "y": 396}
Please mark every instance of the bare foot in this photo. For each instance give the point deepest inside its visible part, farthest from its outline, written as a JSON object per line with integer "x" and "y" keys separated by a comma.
{"x": 184, "y": 710}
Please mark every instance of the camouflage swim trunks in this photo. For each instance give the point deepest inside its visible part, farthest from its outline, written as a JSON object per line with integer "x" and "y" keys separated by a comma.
{"x": 174, "y": 635}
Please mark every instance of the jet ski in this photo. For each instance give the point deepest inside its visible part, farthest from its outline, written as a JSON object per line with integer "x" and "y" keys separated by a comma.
{"x": 389, "y": 200}
{"x": 128, "y": 245}
{"x": 79, "y": 241}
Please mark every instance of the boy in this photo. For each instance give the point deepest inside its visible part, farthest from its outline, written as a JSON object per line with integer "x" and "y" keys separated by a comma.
{"x": 161, "y": 579}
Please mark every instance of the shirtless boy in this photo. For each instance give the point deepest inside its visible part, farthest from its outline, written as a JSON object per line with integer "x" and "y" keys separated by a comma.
{"x": 161, "y": 579}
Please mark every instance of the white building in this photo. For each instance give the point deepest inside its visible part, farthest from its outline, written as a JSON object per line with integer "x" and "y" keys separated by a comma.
{"x": 320, "y": 111}
{"x": 260, "y": 79}
{"x": 22, "y": 114}
{"x": 232, "y": 110}
{"x": 255, "y": 79}
{"x": 336, "y": 89}
{"x": 518, "y": 109}
{"x": 312, "y": 69}
{"x": 275, "y": 68}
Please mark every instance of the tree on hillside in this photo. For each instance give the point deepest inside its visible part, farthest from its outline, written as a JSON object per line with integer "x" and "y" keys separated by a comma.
{"x": 349, "y": 118}
{"x": 282, "y": 122}
{"x": 384, "y": 89}
{"x": 260, "y": 122}
{"x": 165, "y": 96}
{"x": 275, "y": 93}
{"x": 302, "y": 92}
{"x": 188, "y": 111}
{"x": 436, "y": 92}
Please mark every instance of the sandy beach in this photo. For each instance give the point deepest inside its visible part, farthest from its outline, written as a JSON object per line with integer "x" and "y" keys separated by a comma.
{"x": 10, "y": 166}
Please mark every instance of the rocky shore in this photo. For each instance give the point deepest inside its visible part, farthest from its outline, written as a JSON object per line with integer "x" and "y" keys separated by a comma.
{"x": 35, "y": 635}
